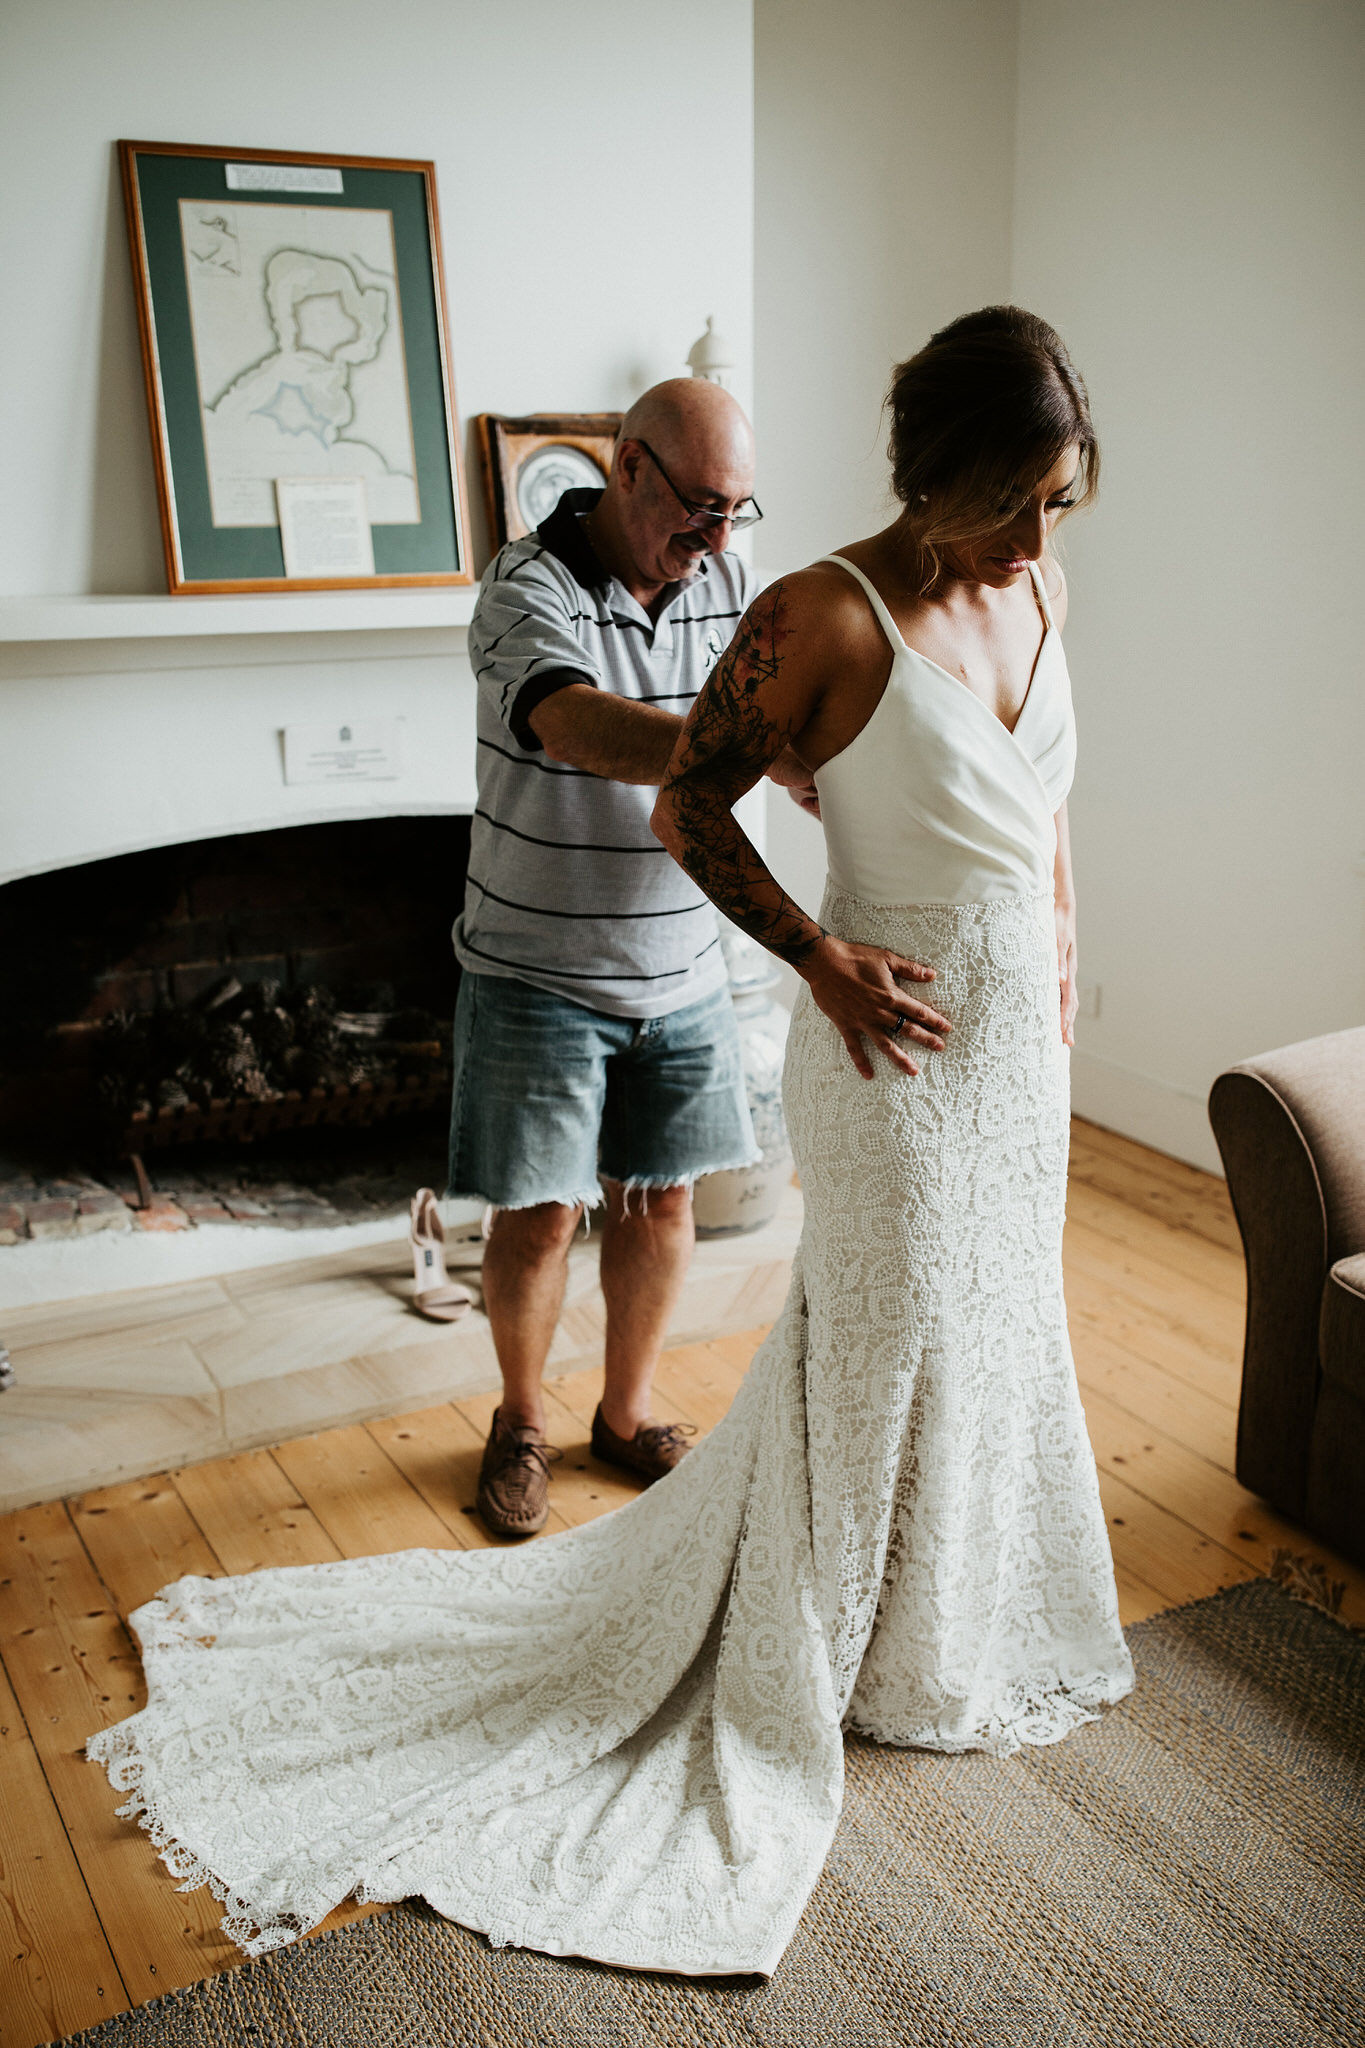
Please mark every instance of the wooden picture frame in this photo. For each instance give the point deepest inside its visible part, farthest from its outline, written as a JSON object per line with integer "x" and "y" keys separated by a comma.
{"x": 522, "y": 480}
{"x": 292, "y": 313}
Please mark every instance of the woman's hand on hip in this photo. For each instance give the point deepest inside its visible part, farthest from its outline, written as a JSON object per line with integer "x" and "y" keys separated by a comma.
{"x": 858, "y": 988}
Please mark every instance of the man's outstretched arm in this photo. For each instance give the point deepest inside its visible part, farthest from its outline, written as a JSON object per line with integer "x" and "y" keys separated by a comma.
{"x": 615, "y": 737}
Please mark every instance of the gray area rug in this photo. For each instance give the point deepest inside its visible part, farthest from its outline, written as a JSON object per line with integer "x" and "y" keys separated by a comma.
{"x": 1188, "y": 1870}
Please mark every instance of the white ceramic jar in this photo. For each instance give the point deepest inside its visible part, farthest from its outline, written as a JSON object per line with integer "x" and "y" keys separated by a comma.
{"x": 726, "y": 1204}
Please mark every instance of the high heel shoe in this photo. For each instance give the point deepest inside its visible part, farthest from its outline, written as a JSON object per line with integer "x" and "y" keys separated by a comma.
{"x": 441, "y": 1299}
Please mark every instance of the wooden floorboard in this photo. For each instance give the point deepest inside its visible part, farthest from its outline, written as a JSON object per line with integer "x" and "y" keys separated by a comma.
{"x": 90, "y": 1921}
{"x": 1168, "y": 1189}
{"x": 140, "y": 1536}
{"x": 1213, "y": 1266}
{"x": 252, "y": 1514}
{"x": 1155, "y": 1396}
{"x": 1153, "y": 1338}
{"x": 359, "y": 1497}
{"x": 57, "y": 1971}
{"x": 1211, "y": 1322}
{"x": 74, "y": 1669}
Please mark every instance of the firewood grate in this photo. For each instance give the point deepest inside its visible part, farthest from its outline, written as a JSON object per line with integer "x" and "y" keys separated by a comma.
{"x": 243, "y": 1120}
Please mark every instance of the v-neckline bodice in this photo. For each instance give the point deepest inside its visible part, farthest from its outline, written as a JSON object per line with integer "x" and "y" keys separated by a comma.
{"x": 921, "y": 806}
{"x": 901, "y": 646}
{"x": 1011, "y": 732}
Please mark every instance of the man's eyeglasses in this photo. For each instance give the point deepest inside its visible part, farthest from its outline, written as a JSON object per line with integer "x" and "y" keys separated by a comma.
{"x": 703, "y": 517}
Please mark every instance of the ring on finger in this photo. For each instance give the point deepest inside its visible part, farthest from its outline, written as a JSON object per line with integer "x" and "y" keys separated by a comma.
{"x": 897, "y": 1027}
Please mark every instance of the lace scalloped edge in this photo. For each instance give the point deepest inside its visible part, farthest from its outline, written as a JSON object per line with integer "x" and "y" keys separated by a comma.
{"x": 254, "y": 1930}
{"x": 1036, "y": 1714}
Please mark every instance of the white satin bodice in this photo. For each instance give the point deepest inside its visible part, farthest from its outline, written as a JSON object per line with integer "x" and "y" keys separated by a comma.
{"x": 936, "y": 801}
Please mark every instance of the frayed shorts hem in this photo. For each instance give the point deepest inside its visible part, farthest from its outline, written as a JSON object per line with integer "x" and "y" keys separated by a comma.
{"x": 630, "y": 1184}
{"x": 593, "y": 1200}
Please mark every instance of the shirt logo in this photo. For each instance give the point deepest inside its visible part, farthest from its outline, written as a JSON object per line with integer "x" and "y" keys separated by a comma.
{"x": 715, "y": 647}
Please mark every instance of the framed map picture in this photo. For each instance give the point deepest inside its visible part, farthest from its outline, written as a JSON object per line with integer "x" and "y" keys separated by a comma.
{"x": 528, "y": 463}
{"x": 293, "y": 321}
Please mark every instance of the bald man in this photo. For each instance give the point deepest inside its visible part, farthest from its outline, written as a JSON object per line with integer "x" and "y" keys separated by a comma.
{"x": 595, "y": 1042}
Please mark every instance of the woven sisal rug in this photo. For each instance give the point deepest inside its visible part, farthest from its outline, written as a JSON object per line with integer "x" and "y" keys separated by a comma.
{"x": 1188, "y": 1870}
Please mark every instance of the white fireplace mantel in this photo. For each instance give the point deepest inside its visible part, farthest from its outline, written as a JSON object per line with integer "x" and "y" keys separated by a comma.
{"x": 157, "y": 618}
{"x": 134, "y": 722}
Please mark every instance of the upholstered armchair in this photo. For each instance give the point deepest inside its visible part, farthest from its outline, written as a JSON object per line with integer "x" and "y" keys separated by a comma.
{"x": 1291, "y": 1128}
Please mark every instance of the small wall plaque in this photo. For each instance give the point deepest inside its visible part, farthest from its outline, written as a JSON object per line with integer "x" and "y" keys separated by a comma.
{"x": 371, "y": 752}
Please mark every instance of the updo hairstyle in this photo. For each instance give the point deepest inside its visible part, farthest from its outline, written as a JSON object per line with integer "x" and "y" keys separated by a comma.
{"x": 978, "y": 418}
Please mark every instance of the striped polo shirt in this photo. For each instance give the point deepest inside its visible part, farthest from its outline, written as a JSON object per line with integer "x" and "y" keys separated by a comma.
{"x": 568, "y": 888}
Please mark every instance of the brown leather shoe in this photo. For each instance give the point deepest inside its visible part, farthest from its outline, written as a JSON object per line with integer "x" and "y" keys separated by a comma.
{"x": 653, "y": 1450}
{"x": 514, "y": 1479}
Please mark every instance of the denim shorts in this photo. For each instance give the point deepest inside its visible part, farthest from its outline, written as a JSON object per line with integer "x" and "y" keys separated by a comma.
{"x": 549, "y": 1095}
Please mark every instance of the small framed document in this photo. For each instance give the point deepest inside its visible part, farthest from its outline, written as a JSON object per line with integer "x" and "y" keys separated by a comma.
{"x": 324, "y": 527}
{"x": 293, "y": 319}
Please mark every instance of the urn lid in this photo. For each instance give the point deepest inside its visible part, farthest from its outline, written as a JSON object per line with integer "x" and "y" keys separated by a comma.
{"x": 711, "y": 357}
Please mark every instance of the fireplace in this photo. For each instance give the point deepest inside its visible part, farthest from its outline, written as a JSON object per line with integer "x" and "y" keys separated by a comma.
{"x": 154, "y": 851}
{"x": 218, "y": 991}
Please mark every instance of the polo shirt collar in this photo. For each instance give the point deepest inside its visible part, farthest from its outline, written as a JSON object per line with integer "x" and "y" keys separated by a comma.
{"x": 563, "y": 536}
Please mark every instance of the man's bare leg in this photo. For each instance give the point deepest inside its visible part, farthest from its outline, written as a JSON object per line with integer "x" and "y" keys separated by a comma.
{"x": 525, "y": 1265}
{"x": 646, "y": 1250}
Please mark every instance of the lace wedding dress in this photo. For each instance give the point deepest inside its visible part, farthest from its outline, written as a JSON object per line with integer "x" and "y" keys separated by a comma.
{"x": 625, "y": 1742}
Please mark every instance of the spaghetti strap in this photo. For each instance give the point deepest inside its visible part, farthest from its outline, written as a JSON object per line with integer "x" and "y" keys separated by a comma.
{"x": 884, "y": 618}
{"x": 1040, "y": 592}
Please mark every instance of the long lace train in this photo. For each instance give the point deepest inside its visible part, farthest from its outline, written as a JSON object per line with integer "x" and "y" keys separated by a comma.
{"x": 625, "y": 1741}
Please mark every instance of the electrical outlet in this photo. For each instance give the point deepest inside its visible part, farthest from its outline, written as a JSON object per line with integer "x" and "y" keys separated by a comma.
{"x": 1088, "y": 995}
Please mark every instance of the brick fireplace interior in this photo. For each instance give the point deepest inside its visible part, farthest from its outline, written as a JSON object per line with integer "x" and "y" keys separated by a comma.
{"x": 111, "y": 960}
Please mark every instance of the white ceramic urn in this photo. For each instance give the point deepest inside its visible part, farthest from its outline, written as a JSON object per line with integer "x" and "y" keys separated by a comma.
{"x": 726, "y": 1204}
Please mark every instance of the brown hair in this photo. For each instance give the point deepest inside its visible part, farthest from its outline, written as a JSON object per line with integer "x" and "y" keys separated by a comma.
{"x": 978, "y": 418}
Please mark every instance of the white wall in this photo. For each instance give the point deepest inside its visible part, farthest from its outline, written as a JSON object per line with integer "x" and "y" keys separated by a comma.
{"x": 1188, "y": 209}
{"x": 587, "y": 233}
{"x": 883, "y": 162}
{"x": 1178, "y": 186}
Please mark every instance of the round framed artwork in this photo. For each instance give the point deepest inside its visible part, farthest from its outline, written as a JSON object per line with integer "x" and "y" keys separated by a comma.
{"x": 529, "y": 462}
{"x": 548, "y": 472}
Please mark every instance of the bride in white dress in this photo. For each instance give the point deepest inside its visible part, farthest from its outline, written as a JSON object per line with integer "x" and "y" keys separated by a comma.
{"x": 625, "y": 1742}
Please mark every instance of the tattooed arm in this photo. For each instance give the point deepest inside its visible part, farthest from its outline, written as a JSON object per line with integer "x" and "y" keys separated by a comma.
{"x": 763, "y": 697}
{"x": 741, "y": 723}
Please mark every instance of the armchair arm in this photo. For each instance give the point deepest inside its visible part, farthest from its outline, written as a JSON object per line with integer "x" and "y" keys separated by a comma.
{"x": 1277, "y": 1199}
{"x": 1290, "y": 1126}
